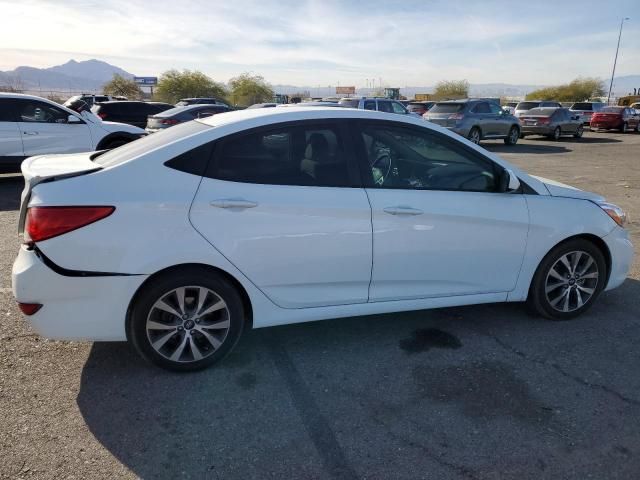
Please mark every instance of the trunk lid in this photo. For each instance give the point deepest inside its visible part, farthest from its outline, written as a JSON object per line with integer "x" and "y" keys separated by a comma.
{"x": 49, "y": 168}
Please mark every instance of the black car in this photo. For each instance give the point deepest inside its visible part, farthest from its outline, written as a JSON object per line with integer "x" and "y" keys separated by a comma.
{"x": 193, "y": 101}
{"x": 177, "y": 115}
{"x": 131, "y": 112}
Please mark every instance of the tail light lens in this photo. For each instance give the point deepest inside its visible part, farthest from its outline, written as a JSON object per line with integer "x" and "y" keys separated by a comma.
{"x": 169, "y": 121}
{"x": 29, "y": 308}
{"x": 102, "y": 115}
{"x": 544, "y": 120}
{"x": 43, "y": 223}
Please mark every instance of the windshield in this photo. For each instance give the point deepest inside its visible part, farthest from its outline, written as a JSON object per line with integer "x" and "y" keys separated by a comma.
{"x": 150, "y": 142}
{"x": 582, "y": 106}
{"x": 447, "y": 108}
{"x": 527, "y": 105}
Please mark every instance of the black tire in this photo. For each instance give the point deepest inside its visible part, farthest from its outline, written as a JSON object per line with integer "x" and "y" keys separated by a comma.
{"x": 513, "y": 136}
{"x": 475, "y": 135}
{"x": 625, "y": 128}
{"x": 579, "y": 132}
{"x": 161, "y": 287}
{"x": 538, "y": 300}
{"x": 557, "y": 133}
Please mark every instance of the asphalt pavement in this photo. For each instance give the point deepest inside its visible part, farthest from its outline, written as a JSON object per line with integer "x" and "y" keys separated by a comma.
{"x": 480, "y": 392}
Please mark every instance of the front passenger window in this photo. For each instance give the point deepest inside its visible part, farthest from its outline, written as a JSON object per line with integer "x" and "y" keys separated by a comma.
{"x": 410, "y": 158}
{"x": 34, "y": 111}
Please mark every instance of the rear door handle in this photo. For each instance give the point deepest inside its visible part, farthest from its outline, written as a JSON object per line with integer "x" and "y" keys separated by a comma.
{"x": 30, "y": 133}
{"x": 402, "y": 210}
{"x": 232, "y": 203}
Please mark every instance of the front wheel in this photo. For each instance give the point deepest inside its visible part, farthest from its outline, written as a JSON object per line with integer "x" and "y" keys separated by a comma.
{"x": 474, "y": 135}
{"x": 568, "y": 280}
{"x": 579, "y": 132}
{"x": 513, "y": 136}
{"x": 187, "y": 320}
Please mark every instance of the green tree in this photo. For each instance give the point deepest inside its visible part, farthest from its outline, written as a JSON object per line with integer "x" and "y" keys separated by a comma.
{"x": 451, "y": 89}
{"x": 578, "y": 90}
{"x": 120, "y": 85}
{"x": 174, "y": 85}
{"x": 247, "y": 89}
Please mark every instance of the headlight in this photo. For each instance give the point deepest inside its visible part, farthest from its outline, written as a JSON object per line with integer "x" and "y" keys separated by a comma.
{"x": 615, "y": 212}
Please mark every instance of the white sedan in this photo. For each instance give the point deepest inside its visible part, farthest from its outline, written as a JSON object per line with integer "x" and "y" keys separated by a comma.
{"x": 181, "y": 240}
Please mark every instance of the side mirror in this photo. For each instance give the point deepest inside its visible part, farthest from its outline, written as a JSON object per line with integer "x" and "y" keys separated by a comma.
{"x": 73, "y": 119}
{"x": 514, "y": 183}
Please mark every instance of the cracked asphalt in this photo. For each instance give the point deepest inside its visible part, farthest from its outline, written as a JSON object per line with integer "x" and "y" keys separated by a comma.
{"x": 481, "y": 392}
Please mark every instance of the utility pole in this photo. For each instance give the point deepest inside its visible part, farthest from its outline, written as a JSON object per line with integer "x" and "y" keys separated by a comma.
{"x": 615, "y": 60}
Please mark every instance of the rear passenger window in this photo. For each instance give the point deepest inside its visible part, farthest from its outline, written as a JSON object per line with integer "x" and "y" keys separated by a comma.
{"x": 285, "y": 156}
{"x": 482, "y": 108}
{"x": 370, "y": 105}
{"x": 7, "y": 110}
{"x": 384, "y": 106}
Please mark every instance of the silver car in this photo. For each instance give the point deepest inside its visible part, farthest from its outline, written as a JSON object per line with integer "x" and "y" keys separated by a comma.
{"x": 586, "y": 109}
{"x": 476, "y": 120}
{"x": 524, "y": 107}
{"x": 378, "y": 104}
{"x": 552, "y": 123}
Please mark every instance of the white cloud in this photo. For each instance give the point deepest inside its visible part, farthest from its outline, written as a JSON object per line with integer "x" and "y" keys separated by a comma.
{"x": 324, "y": 42}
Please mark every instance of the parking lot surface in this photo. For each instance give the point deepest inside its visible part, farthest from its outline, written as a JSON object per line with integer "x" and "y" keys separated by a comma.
{"x": 480, "y": 392}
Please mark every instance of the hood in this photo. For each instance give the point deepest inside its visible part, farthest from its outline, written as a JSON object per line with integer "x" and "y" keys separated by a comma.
{"x": 557, "y": 189}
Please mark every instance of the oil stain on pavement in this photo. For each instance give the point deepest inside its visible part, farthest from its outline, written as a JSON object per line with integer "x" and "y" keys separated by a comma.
{"x": 424, "y": 339}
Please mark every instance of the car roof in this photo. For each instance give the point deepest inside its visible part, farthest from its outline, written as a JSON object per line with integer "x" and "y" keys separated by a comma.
{"x": 21, "y": 95}
{"x": 265, "y": 116}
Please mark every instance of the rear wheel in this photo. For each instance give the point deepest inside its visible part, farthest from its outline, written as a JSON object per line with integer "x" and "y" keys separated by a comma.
{"x": 474, "y": 135}
{"x": 625, "y": 128}
{"x": 513, "y": 136}
{"x": 187, "y": 320}
{"x": 579, "y": 132}
{"x": 568, "y": 280}
{"x": 557, "y": 133}
{"x": 116, "y": 143}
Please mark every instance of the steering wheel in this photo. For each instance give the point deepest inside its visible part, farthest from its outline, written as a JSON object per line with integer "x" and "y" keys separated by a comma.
{"x": 378, "y": 164}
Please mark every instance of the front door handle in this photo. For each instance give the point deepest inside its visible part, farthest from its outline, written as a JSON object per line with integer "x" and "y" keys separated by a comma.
{"x": 232, "y": 203}
{"x": 402, "y": 210}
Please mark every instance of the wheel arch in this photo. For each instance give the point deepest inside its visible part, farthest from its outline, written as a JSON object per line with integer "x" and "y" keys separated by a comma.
{"x": 596, "y": 240}
{"x": 246, "y": 301}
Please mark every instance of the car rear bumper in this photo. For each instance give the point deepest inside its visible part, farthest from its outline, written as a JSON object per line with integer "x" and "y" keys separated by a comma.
{"x": 606, "y": 125}
{"x": 621, "y": 250}
{"x": 73, "y": 307}
{"x": 535, "y": 130}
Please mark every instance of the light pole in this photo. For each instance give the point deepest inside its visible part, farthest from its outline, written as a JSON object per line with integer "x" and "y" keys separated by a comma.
{"x": 615, "y": 60}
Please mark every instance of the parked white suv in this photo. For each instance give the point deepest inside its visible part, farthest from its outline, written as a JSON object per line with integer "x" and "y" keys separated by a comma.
{"x": 31, "y": 125}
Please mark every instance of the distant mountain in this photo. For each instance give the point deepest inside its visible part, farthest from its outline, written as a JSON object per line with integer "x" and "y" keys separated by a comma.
{"x": 89, "y": 75}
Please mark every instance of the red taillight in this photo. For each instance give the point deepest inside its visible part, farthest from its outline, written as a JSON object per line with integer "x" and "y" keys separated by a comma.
{"x": 102, "y": 115}
{"x": 48, "y": 222}
{"x": 29, "y": 308}
{"x": 544, "y": 120}
{"x": 169, "y": 121}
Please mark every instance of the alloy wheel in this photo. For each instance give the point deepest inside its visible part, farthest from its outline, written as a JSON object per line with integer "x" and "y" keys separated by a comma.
{"x": 188, "y": 324}
{"x": 571, "y": 281}
{"x": 514, "y": 135}
{"x": 474, "y": 136}
{"x": 556, "y": 133}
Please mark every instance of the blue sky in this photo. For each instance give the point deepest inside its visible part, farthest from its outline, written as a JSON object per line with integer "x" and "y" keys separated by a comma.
{"x": 320, "y": 43}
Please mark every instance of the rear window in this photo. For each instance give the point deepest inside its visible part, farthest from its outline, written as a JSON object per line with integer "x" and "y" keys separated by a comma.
{"x": 350, "y": 103}
{"x": 150, "y": 142}
{"x": 527, "y": 105}
{"x": 612, "y": 109}
{"x": 582, "y": 106}
{"x": 447, "y": 108}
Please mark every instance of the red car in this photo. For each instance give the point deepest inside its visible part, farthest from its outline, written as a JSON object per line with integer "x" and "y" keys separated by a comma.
{"x": 624, "y": 119}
